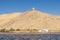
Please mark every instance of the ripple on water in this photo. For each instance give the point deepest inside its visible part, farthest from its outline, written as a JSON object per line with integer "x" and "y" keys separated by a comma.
{"x": 29, "y": 36}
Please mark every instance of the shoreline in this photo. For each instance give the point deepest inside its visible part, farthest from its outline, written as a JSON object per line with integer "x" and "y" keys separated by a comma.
{"x": 26, "y": 33}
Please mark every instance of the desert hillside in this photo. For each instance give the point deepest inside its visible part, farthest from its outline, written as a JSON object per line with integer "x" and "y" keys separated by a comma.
{"x": 31, "y": 19}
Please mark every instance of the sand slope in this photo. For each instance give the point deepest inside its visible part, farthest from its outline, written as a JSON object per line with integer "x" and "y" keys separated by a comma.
{"x": 31, "y": 19}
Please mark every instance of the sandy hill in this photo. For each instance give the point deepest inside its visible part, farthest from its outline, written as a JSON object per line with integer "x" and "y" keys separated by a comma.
{"x": 31, "y": 19}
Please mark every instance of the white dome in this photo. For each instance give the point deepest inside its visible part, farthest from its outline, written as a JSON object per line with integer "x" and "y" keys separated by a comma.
{"x": 43, "y": 30}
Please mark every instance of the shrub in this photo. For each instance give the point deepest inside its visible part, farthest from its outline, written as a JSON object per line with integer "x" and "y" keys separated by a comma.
{"x": 11, "y": 29}
{"x": 28, "y": 29}
{"x": 17, "y": 29}
{"x": 34, "y": 29}
{"x": 7, "y": 31}
{"x": 2, "y": 30}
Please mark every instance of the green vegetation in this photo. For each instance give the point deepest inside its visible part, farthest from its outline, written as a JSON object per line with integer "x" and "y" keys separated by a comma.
{"x": 7, "y": 31}
{"x": 10, "y": 30}
{"x": 17, "y": 29}
{"x": 28, "y": 29}
{"x": 33, "y": 30}
{"x": 13, "y": 30}
{"x": 2, "y": 30}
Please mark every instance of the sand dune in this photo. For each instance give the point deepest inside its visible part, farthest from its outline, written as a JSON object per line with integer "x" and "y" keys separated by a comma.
{"x": 31, "y": 19}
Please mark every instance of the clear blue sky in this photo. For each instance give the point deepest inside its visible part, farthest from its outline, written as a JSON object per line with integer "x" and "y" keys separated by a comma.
{"x": 49, "y": 6}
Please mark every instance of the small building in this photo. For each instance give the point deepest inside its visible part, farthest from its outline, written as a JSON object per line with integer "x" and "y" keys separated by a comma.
{"x": 43, "y": 31}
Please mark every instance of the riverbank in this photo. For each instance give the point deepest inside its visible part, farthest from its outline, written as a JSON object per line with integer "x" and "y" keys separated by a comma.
{"x": 26, "y": 33}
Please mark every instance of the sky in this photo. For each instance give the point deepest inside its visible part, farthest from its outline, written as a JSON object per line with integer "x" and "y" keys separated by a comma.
{"x": 48, "y": 6}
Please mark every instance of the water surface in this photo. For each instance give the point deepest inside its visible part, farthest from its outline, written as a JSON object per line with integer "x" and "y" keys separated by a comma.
{"x": 21, "y": 36}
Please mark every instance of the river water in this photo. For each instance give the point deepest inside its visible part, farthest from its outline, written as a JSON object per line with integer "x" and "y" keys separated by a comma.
{"x": 29, "y": 36}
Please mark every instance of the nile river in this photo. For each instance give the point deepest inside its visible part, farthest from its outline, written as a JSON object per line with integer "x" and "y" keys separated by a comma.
{"x": 20, "y": 36}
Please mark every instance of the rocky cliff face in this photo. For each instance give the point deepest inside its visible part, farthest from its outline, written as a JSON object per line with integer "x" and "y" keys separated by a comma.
{"x": 31, "y": 19}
